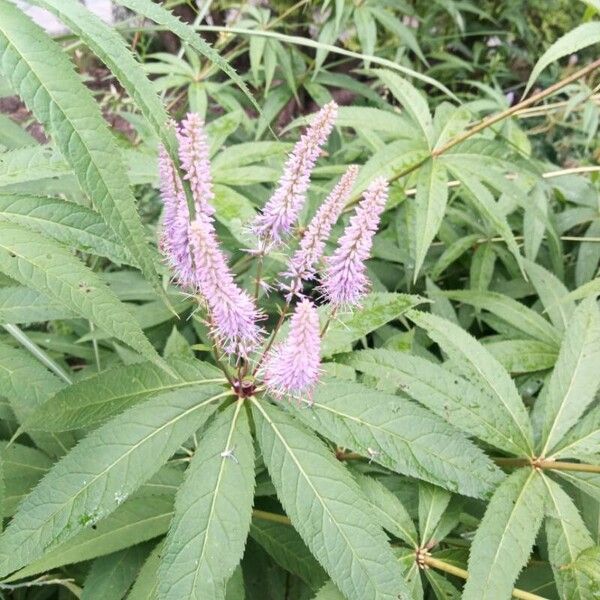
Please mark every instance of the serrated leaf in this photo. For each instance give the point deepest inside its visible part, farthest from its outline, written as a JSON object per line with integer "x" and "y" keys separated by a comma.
{"x": 19, "y": 304}
{"x": 71, "y": 224}
{"x": 582, "y": 36}
{"x": 441, "y": 587}
{"x": 482, "y": 369}
{"x": 111, "y": 576}
{"x": 582, "y": 441}
{"x": 40, "y": 263}
{"x": 513, "y": 312}
{"x": 433, "y": 502}
{"x": 286, "y": 548}
{"x": 161, "y": 16}
{"x": 137, "y": 520}
{"x": 389, "y": 510}
{"x": 552, "y": 293}
{"x": 411, "y": 100}
{"x": 505, "y": 537}
{"x": 326, "y": 507}
{"x": 212, "y": 512}
{"x": 146, "y": 583}
{"x": 448, "y": 395}
{"x": 376, "y": 309}
{"x": 523, "y": 356}
{"x": 329, "y": 592}
{"x": 400, "y": 435}
{"x": 103, "y": 395}
{"x": 574, "y": 380}
{"x": 567, "y": 537}
{"x": 103, "y": 470}
{"x": 430, "y": 208}
{"x": 60, "y": 101}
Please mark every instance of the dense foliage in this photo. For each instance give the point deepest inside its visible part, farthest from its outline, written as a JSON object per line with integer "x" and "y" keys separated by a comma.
{"x": 221, "y": 382}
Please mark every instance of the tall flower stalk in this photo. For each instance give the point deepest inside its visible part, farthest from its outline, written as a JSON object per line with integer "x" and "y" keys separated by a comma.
{"x": 281, "y": 211}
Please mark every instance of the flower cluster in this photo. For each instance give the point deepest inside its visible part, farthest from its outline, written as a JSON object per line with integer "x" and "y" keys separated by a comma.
{"x": 291, "y": 367}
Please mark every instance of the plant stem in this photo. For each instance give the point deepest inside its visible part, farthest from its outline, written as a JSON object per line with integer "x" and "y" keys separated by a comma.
{"x": 545, "y": 464}
{"x": 442, "y": 565}
{"x": 269, "y": 516}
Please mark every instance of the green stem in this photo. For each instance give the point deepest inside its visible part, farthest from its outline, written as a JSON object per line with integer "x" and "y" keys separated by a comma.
{"x": 547, "y": 465}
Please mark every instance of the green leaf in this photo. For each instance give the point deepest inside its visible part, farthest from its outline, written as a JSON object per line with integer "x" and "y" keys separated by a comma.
{"x": 42, "y": 264}
{"x": 430, "y": 208}
{"x": 453, "y": 252}
{"x": 567, "y": 537}
{"x": 389, "y": 510}
{"x": 412, "y": 101}
{"x": 552, "y": 293}
{"x": 288, "y": 550}
{"x": 574, "y": 381}
{"x": 329, "y": 592}
{"x": 19, "y": 304}
{"x": 377, "y": 309}
{"x": 433, "y": 502}
{"x": 60, "y": 101}
{"x": 588, "y": 563}
{"x": 326, "y": 507}
{"x": 441, "y": 587}
{"x": 483, "y": 201}
{"x": 31, "y": 164}
{"x": 103, "y": 395}
{"x": 482, "y": 369}
{"x": 212, "y": 512}
{"x": 588, "y": 483}
{"x": 523, "y": 356}
{"x": 583, "y": 440}
{"x": 513, "y": 312}
{"x": 582, "y": 36}
{"x": 103, "y": 470}
{"x": 136, "y": 521}
{"x": 505, "y": 537}
{"x": 447, "y": 394}
{"x": 71, "y": 224}
{"x": 146, "y": 583}
{"x": 111, "y": 576}
{"x": 400, "y": 435}
{"x": 161, "y": 16}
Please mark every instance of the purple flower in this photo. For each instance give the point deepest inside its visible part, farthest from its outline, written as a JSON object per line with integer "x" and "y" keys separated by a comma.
{"x": 312, "y": 244}
{"x": 281, "y": 211}
{"x": 345, "y": 281}
{"x": 175, "y": 240}
{"x": 292, "y": 367}
{"x": 194, "y": 158}
{"x": 233, "y": 312}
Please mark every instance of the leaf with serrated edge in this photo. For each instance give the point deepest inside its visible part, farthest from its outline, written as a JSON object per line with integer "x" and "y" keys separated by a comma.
{"x": 567, "y": 537}
{"x": 447, "y": 394}
{"x": 99, "y": 473}
{"x": 506, "y": 535}
{"x": 582, "y": 441}
{"x": 400, "y": 435}
{"x": 213, "y": 509}
{"x": 429, "y": 210}
{"x": 146, "y": 583}
{"x": 574, "y": 380}
{"x": 61, "y": 102}
{"x": 40, "y": 263}
{"x": 389, "y": 510}
{"x": 105, "y": 394}
{"x": 19, "y": 304}
{"x": 326, "y": 507}
{"x": 433, "y": 502}
{"x": 482, "y": 368}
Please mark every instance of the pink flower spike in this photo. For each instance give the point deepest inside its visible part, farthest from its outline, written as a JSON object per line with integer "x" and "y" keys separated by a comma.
{"x": 312, "y": 244}
{"x": 233, "y": 312}
{"x": 281, "y": 211}
{"x": 175, "y": 242}
{"x": 194, "y": 158}
{"x": 345, "y": 281}
{"x": 292, "y": 368}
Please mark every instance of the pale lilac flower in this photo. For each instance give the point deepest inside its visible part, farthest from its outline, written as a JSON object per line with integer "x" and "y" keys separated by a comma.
{"x": 312, "y": 244}
{"x": 195, "y": 161}
{"x": 175, "y": 241}
{"x": 232, "y": 310}
{"x": 292, "y": 367}
{"x": 345, "y": 281}
{"x": 281, "y": 211}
